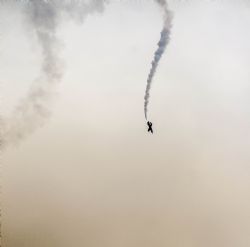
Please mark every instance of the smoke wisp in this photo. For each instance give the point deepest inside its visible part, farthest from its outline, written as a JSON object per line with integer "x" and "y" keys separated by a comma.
{"x": 43, "y": 17}
{"x": 164, "y": 40}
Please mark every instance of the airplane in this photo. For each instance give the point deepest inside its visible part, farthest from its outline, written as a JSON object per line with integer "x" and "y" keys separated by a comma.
{"x": 150, "y": 127}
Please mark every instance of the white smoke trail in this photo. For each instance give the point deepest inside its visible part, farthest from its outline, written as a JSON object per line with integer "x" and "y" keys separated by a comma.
{"x": 164, "y": 40}
{"x": 43, "y": 16}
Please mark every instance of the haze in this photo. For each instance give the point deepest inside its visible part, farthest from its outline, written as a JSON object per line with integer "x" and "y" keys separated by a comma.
{"x": 91, "y": 175}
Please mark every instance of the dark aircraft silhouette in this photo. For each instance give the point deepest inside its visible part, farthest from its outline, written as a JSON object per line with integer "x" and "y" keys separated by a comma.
{"x": 150, "y": 127}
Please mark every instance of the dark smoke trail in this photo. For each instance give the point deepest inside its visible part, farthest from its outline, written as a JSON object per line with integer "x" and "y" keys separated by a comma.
{"x": 43, "y": 17}
{"x": 164, "y": 40}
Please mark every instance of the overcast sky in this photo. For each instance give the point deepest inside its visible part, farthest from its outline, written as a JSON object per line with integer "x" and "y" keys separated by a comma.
{"x": 91, "y": 175}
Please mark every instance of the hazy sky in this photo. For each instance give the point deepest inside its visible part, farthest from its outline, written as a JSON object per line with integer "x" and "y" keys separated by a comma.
{"x": 92, "y": 176}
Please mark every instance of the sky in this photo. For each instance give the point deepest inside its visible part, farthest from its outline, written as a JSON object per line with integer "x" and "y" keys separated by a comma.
{"x": 89, "y": 174}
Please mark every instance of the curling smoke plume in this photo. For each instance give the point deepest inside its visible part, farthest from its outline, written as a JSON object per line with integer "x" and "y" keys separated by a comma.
{"x": 43, "y": 17}
{"x": 164, "y": 40}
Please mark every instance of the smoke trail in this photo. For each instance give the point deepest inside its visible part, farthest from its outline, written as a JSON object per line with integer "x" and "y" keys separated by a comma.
{"x": 164, "y": 40}
{"x": 43, "y": 17}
